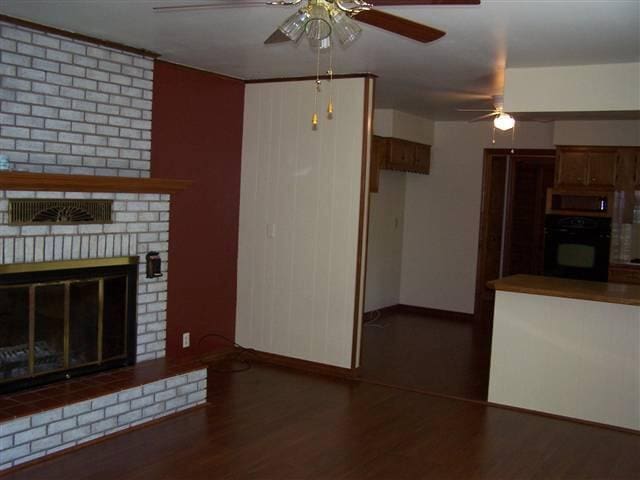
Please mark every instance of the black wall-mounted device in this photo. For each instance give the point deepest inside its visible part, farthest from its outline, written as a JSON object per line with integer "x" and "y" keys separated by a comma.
{"x": 154, "y": 265}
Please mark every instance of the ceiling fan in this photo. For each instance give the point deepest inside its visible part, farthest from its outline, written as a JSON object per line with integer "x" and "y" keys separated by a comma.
{"x": 502, "y": 120}
{"x": 318, "y": 18}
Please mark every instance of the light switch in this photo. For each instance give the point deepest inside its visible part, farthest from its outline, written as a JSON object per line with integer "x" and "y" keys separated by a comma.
{"x": 271, "y": 230}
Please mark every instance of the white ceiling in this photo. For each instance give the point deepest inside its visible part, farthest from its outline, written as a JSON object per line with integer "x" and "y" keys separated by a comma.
{"x": 426, "y": 79}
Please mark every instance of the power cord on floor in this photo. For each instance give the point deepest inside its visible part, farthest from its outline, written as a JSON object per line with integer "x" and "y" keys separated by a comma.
{"x": 377, "y": 315}
{"x": 237, "y": 357}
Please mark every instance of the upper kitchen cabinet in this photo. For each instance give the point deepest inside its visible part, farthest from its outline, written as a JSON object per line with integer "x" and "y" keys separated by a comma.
{"x": 627, "y": 168}
{"x": 593, "y": 167}
{"x": 401, "y": 155}
{"x": 379, "y": 155}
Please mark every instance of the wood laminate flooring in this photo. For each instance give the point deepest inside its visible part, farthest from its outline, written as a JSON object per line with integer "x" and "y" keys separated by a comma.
{"x": 437, "y": 355}
{"x": 275, "y": 423}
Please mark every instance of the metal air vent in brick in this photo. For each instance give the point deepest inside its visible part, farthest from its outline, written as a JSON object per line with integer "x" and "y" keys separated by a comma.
{"x": 54, "y": 211}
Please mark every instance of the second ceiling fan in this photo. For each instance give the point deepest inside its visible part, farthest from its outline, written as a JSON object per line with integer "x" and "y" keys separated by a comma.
{"x": 318, "y": 18}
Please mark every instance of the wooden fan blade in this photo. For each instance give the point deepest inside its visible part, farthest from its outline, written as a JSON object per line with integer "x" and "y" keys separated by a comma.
{"x": 493, "y": 110}
{"x": 482, "y": 117}
{"x": 277, "y": 37}
{"x": 399, "y": 25}
{"x": 392, "y": 3}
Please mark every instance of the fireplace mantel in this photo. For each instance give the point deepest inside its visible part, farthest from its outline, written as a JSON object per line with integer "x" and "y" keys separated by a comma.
{"x": 88, "y": 183}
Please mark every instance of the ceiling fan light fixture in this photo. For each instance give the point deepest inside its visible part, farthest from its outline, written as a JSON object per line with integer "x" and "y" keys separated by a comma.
{"x": 318, "y": 26}
{"x": 504, "y": 122}
{"x": 320, "y": 44}
{"x": 345, "y": 27}
{"x": 294, "y": 26}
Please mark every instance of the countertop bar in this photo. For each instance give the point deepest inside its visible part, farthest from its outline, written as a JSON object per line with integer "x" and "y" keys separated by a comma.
{"x": 621, "y": 293}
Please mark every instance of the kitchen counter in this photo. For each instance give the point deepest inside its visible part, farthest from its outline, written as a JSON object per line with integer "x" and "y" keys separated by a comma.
{"x": 567, "y": 347}
{"x": 624, "y": 294}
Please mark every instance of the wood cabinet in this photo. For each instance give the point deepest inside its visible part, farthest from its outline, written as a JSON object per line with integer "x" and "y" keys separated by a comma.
{"x": 620, "y": 273}
{"x": 593, "y": 167}
{"x": 395, "y": 154}
{"x": 379, "y": 154}
{"x": 627, "y": 169}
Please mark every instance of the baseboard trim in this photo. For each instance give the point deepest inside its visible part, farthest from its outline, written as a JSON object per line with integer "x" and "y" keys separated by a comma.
{"x": 303, "y": 365}
{"x": 427, "y": 312}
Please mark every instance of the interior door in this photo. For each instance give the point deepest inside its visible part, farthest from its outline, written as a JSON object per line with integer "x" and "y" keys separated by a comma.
{"x": 524, "y": 232}
{"x": 491, "y": 228}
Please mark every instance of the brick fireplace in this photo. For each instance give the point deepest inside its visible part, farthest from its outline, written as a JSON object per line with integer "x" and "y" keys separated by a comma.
{"x": 75, "y": 124}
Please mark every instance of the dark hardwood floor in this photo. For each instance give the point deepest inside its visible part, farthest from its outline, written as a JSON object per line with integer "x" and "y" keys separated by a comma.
{"x": 438, "y": 355}
{"x": 274, "y": 423}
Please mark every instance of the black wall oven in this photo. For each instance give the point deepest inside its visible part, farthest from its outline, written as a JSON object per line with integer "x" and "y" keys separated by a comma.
{"x": 577, "y": 247}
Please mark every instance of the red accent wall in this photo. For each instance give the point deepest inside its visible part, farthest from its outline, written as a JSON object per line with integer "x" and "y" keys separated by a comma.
{"x": 197, "y": 135}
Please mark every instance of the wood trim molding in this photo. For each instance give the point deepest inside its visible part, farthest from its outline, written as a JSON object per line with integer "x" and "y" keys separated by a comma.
{"x": 302, "y": 365}
{"x": 424, "y": 311}
{"x": 363, "y": 221}
{"x": 299, "y": 79}
{"x": 77, "y": 36}
{"x": 434, "y": 312}
{"x": 88, "y": 183}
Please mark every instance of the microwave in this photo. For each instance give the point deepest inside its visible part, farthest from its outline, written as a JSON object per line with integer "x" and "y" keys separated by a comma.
{"x": 585, "y": 203}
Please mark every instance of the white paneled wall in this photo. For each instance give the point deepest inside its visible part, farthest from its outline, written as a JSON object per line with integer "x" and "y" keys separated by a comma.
{"x": 299, "y": 211}
{"x": 569, "y": 357}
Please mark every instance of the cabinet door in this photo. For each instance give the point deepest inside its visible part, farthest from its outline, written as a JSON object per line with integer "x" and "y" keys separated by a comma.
{"x": 637, "y": 150}
{"x": 571, "y": 168}
{"x": 379, "y": 157}
{"x": 626, "y": 169}
{"x": 403, "y": 154}
{"x": 423, "y": 158}
{"x": 602, "y": 168}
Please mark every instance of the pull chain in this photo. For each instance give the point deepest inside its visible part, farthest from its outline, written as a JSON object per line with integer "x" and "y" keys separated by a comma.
{"x": 314, "y": 119}
{"x": 330, "y": 73}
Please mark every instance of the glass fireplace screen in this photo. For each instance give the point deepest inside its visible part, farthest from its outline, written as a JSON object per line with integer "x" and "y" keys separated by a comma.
{"x": 55, "y": 323}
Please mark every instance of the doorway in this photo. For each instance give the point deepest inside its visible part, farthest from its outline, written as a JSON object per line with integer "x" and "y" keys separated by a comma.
{"x": 511, "y": 237}
{"x": 439, "y": 351}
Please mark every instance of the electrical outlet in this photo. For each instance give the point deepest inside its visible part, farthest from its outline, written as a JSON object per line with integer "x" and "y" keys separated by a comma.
{"x": 186, "y": 340}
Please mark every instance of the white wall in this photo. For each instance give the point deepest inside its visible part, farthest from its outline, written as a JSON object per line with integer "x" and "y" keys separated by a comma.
{"x": 442, "y": 214}
{"x": 386, "y": 212}
{"x": 569, "y": 357}
{"x": 384, "y": 258}
{"x": 601, "y": 132}
{"x": 299, "y": 211}
{"x": 576, "y": 88}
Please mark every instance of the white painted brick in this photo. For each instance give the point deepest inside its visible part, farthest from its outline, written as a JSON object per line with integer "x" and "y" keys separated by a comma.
{"x": 197, "y": 375}
{"x": 154, "y": 387}
{"x": 14, "y": 426}
{"x": 30, "y": 435}
{"x": 188, "y": 388}
{"x": 16, "y": 59}
{"x": 197, "y": 396}
{"x": 29, "y": 458}
{"x": 104, "y": 425}
{"x": 31, "y": 74}
{"x": 46, "y": 443}
{"x": 76, "y": 434}
{"x": 176, "y": 403}
{"x": 46, "y": 65}
{"x": 129, "y": 394}
{"x": 91, "y": 417}
{"x": 16, "y": 452}
{"x": 76, "y": 409}
{"x": 46, "y": 40}
{"x": 153, "y": 410}
{"x": 104, "y": 401}
{"x": 129, "y": 417}
{"x": 117, "y": 409}
{"x": 62, "y": 425}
